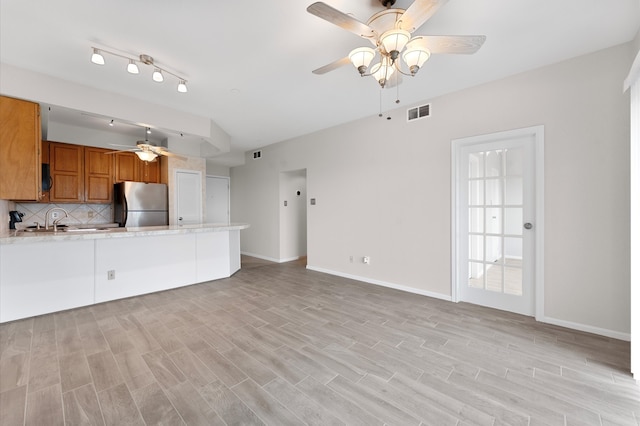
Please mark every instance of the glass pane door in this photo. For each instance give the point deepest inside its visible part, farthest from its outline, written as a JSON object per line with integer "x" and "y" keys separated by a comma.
{"x": 495, "y": 213}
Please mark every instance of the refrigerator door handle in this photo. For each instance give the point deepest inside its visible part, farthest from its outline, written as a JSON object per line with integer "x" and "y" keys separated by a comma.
{"x": 125, "y": 211}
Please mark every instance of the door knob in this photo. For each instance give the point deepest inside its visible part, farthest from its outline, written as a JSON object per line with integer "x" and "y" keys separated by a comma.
{"x": 528, "y": 225}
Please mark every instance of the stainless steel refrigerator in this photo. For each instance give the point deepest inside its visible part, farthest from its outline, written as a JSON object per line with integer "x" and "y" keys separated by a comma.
{"x": 140, "y": 204}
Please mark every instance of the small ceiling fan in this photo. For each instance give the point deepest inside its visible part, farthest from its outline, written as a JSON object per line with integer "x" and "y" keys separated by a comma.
{"x": 390, "y": 33}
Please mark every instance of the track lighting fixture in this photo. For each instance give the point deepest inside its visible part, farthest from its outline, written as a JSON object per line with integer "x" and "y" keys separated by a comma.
{"x": 111, "y": 123}
{"x": 148, "y": 131}
{"x": 132, "y": 66}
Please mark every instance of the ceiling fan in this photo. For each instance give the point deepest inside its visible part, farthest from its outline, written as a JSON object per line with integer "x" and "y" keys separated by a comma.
{"x": 390, "y": 33}
{"x": 146, "y": 152}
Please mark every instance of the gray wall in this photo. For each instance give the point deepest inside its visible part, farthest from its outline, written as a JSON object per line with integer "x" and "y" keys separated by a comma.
{"x": 383, "y": 187}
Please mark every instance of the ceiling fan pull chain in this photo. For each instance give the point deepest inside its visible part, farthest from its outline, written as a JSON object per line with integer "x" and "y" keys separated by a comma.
{"x": 380, "y": 113}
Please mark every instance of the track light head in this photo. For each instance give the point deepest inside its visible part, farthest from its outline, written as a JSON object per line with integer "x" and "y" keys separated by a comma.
{"x": 157, "y": 76}
{"x": 132, "y": 67}
{"x": 97, "y": 58}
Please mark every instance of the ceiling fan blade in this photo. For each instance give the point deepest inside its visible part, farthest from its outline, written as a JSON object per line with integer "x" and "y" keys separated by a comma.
{"x": 344, "y": 21}
{"x": 418, "y": 13}
{"x": 464, "y": 45}
{"x": 332, "y": 66}
{"x": 123, "y": 146}
{"x": 124, "y": 150}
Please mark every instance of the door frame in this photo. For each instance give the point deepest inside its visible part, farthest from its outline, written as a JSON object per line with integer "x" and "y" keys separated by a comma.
{"x": 538, "y": 273}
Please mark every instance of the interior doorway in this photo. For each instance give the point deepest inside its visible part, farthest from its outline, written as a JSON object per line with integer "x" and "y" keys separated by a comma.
{"x": 293, "y": 215}
{"x": 497, "y": 232}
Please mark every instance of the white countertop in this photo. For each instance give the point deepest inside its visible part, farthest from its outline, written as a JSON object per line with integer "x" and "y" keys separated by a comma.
{"x": 21, "y": 237}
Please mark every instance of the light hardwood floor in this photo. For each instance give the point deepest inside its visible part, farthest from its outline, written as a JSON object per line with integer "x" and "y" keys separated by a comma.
{"x": 281, "y": 345}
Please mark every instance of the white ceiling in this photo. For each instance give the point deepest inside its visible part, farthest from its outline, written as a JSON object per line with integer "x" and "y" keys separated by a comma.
{"x": 248, "y": 63}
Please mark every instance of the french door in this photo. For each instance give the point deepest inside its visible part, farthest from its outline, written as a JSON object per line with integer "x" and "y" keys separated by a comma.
{"x": 495, "y": 224}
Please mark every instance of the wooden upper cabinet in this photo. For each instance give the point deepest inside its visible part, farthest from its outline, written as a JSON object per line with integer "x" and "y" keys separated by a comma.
{"x": 126, "y": 166}
{"x": 20, "y": 138}
{"x": 98, "y": 175}
{"x": 66, "y": 163}
{"x": 149, "y": 171}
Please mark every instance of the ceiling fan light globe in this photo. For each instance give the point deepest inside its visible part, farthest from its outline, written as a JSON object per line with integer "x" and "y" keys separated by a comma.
{"x": 381, "y": 72}
{"x": 361, "y": 58}
{"x": 394, "y": 41}
{"x": 415, "y": 58}
{"x": 146, "y": 155}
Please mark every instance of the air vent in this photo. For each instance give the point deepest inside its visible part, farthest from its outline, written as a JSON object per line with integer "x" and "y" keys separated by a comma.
{"x": 418, "y": 112}
{"x": 257, "y": 155}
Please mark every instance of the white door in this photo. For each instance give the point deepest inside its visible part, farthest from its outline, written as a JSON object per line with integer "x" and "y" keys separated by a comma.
{"x": 217, "y": 199}
{"x": 496, "y": 223}
{"x": 188, "y": 197}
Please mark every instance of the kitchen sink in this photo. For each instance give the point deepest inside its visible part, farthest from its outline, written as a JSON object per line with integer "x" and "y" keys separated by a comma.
{"x": 88, "y": 229}
{"x": 43, "y": 230}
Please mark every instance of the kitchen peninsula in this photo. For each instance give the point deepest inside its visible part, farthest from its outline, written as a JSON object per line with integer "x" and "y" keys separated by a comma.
{"x": 43, "y": 272}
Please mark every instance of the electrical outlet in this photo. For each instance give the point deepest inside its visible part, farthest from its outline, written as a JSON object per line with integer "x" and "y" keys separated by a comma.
{"x": 90, "y": 214}
{"x": 366, "y": 260}
{"x": 54, "y": 215}
{"x": 111, "y": 275}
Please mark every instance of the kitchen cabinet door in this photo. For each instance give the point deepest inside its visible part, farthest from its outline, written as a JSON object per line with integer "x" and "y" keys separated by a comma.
{"x": 20, "y": 137}
{"x": 149, "y": 171}
{"x": 66, "y": 163}
{"x": 126, "y": 167}
{"x": 98, "y": 175}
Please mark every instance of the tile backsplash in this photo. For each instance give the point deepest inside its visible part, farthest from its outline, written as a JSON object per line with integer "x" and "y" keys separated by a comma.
{"x": 78, "y": 213}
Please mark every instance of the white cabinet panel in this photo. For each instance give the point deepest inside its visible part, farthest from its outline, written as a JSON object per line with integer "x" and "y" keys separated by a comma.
{"x": 144, "y": 265}
{"x": 40, "y": 278}
{"x": 212, "y": 256}
{"x": 234, "y": 252}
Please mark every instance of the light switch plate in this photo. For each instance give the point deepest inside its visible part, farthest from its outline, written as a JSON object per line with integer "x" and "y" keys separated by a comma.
{"x": 313, "y": 201}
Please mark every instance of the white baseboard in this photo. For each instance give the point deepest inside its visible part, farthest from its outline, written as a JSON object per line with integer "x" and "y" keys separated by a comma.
{"x": 382, "y": 283}
{"x": 270, "y": 259}
{"x": 562, "y": 323}
{"x": 587, "y": 328}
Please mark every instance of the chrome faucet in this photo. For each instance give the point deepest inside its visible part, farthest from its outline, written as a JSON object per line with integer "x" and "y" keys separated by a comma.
{"x": 55, "y": 222}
